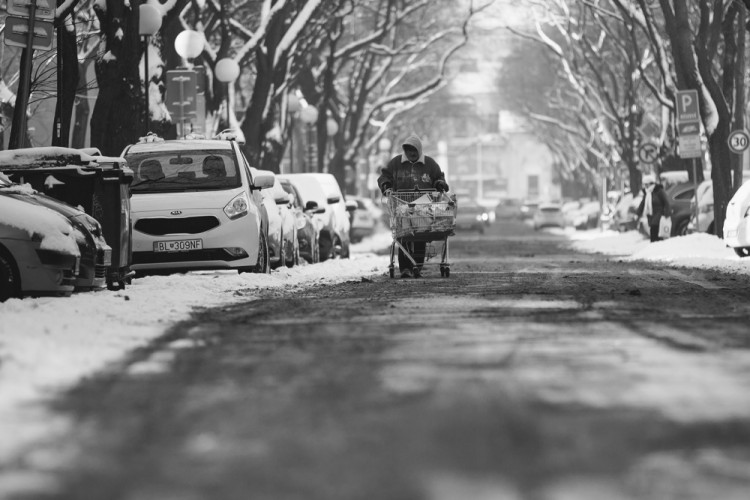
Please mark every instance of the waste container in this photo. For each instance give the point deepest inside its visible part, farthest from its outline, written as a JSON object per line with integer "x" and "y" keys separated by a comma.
{"x": 100, "y": 185}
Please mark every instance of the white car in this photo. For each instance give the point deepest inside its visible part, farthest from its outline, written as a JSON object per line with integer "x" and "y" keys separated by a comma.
{"x": 196, "y": 205}
{"x": 737, "y": 221}
{"x": 549, "y": 215}
{"x": 282, "y": 225}
{"x": 365, "y": 219}
{"x": 321, "y": 190}
{"x": 705, "y": 200}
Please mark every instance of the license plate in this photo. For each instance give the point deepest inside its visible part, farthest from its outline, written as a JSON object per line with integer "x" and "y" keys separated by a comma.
{"x": 178, "y": 245}
{"x": 731, "y": 233}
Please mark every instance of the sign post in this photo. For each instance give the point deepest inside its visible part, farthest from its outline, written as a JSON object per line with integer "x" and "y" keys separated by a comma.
{"x": 181, "y": 95}
{"x": 27, "y": 25}
{"x": 688, "y": 128}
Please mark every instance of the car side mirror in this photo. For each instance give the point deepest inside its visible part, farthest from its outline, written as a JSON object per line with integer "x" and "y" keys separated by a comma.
{"x": 311, "y": 205}
{"x": 351, "y": 206}
{"x": 263, "y": 179}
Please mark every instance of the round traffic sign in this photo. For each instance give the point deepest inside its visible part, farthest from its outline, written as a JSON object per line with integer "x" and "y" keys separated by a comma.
{"x": 738, "y": 141}
{"x": 648, "y": 153}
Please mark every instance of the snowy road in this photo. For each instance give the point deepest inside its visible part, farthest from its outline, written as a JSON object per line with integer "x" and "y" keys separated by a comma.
{"x": 531, "y": 373}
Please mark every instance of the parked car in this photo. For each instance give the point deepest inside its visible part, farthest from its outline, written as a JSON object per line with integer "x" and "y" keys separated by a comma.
{"x": 365, "y": 220}
{"x": 585, "y": 216}
{"x": 96, "y": 254}
{"x": 704, "y": 223}
{"x": 38, "y": 251}
{"x": 549, "y": 215}
{"x": 324, "y": 190}
{"x": 283, "y": 247}
{"x": 196, "y": 205}
{"x": 508, "y": 208}
{"x": 308, "y": 226}
{"x": 527, "y": 209}
{"x": 679, "y": 196}
{"x": 471, "y": 216}
{"x": 737, "y": 221}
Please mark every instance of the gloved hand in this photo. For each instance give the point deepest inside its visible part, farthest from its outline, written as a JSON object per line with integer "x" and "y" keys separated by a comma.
{"x": 387, "y": 189}
{"x": 441, "y": 186}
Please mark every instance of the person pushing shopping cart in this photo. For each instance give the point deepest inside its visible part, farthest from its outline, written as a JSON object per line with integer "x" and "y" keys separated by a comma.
{"x": 420, "y": 210}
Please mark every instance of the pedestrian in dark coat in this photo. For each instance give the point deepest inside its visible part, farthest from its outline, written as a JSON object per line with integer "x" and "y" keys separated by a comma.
{"x": 411, "y": 171}
{"x": 654, "y": 204}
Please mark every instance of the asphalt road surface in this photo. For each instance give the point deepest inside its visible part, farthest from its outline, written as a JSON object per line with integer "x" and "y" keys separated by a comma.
{"x": 531, "y": 373}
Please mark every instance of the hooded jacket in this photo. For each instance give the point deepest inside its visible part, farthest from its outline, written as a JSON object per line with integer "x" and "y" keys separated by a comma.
{"x": 402, "y": 175}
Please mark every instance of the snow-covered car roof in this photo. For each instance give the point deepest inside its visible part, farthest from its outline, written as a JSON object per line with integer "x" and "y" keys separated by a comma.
{"x": 179, "y": 145}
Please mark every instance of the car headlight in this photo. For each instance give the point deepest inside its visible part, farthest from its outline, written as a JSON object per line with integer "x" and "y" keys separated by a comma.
{"x": 478, "y": 217}
{"x": 238, "y": 207}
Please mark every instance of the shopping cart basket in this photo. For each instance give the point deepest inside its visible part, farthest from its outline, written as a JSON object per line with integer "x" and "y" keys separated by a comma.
{"x": 424, "y": 216}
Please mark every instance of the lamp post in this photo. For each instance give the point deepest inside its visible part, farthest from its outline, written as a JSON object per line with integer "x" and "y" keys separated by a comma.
{"x": 331, "y": 128}
{"x": 309, "y": 115}
{"x": 149, "y": 22}
{"x": 227, "y": 71}
{"x": 292, "y": 107}
{"x": 189, "y": 44}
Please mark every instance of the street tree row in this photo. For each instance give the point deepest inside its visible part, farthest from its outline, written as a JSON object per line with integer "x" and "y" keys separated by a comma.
{"x": 360, "y": 63}
{"x": 607, "y": 72}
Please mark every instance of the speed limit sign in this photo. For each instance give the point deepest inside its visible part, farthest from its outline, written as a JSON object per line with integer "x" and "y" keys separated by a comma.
{"x": 738, "y": 141}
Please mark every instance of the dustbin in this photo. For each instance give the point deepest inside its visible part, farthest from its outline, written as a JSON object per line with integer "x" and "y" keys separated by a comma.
{"x": 100, "y": 185}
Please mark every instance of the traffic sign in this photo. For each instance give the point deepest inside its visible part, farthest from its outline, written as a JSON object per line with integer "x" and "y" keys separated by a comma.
{"x": 45, "y": 9}
{"x": 181, "y": 92}
{"x": 648, "y": 153}
{"x": 687, "y": 106}
{"x": 17, "y": 30}
{"x": 738, "y": 141}
{"x": 688, "y": 128}
{"x": 690, "y": 146}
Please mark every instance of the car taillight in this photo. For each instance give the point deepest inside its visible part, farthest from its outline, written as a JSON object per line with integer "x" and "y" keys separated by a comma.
{"x": 238, "y": 207}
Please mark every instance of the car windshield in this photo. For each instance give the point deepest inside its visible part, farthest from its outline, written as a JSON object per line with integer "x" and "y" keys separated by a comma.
{"x": 310, "y": 190}
{"x": 199, "y": 170}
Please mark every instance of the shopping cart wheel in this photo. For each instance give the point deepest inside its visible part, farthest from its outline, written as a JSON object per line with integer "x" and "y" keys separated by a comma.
{"x": 445, "y": 271}
{"x": 392, "y": 272}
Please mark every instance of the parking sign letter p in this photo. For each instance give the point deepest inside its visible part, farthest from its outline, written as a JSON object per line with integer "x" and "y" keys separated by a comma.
{"x": 687, "y": 100}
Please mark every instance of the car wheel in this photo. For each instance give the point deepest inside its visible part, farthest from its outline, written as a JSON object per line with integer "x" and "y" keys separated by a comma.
{"x": 742, "y": 251}
{"x": 316, "y": 251}
{"x": 263, "y": 266}
{"x": 282, "y": 254}
{"x": 326, "y": 248}
{"x": 293, "y": 254}
{"x": 10, "y": 282}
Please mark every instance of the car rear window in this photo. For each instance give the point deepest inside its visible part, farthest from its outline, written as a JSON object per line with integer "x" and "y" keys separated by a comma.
{"x": 200, "y": 170}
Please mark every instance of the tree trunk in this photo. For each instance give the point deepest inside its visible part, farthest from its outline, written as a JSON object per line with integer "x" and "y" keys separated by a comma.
{"x": 67, "y": 53}
{"x": 116, "y": 120}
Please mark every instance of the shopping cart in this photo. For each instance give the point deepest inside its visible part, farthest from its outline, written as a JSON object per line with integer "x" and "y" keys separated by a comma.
{"x": 421, "y": 216}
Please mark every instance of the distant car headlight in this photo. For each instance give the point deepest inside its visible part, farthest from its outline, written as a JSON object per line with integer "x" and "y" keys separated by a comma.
{"x": 238, "y": 207}
{"x": 485, "y": 217}
{"x": 478, "y": 217}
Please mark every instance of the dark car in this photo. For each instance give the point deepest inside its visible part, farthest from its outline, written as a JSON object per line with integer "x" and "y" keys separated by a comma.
{"x": 679, "y": 196}
{"x": 471, "y": 216}
{"x": 96, "y": 254}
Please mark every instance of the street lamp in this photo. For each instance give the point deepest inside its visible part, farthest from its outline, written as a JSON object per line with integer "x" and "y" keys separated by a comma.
{"x": 331, "y": 128}
{"x": 189, "y": 44}
{"x": 309, "y": 115}
{"x": 227, "y": 71}
{"x": 292, "y": 108}
{"x": 149, "y": 22}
